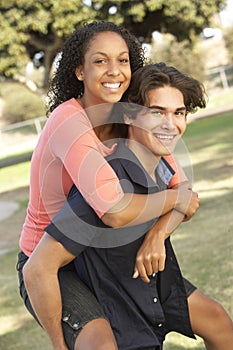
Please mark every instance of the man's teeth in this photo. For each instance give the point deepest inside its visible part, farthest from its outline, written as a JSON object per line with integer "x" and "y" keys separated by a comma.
{"x": 112, "y": 85}
{"x": 164, "y": 137}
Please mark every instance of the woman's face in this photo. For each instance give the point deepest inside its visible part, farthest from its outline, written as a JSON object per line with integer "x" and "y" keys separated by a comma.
{"x": 106, "y": 71}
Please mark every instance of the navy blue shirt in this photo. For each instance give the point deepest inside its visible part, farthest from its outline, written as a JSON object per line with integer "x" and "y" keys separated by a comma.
{"x": 140, "y": 313}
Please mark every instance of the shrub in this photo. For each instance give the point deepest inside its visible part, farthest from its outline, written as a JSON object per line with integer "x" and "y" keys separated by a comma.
{"x": 20, "y": 103}
{"x": 180, "y": 55}
{"x": 228, "y": 37}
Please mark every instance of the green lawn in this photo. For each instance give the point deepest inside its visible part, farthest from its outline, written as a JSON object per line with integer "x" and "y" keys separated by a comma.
{"x": 203, "y": 245}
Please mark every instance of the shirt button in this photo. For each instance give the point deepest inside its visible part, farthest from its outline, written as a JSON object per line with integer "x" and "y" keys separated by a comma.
{"x": 160, "y": 325}
{"x": 154, "y": 274}
{"x": 155, "y": 300}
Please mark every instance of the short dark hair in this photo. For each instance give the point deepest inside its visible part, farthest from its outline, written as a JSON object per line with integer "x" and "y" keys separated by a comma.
{"x": 157, "y": 75}
{"x": 65, "y": 84}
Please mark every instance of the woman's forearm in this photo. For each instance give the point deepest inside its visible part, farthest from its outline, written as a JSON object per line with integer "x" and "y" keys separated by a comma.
{"x": 135, "y": 209}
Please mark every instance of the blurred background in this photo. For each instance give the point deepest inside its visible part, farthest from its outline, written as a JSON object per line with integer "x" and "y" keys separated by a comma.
{"x": 194, "y": 36}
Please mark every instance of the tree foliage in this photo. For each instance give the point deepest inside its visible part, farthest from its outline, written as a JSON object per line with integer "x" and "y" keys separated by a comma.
{"x": 181, "y": 55}
{"x": 228, "y": 37}
{"x": 28, "y": 26}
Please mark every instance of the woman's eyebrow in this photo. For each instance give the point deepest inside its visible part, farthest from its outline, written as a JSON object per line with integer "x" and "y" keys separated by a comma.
{"x": 105, "y": 54}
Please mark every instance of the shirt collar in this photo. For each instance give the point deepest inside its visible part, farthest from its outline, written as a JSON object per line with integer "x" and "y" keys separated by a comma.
{"x": 136, "y": 171}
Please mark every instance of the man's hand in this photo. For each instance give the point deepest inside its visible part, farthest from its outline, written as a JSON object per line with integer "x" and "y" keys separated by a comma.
{"x": 151, "y": 256}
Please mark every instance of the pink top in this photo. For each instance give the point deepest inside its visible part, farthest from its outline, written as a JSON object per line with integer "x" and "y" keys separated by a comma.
{"x": 68, "y": 151}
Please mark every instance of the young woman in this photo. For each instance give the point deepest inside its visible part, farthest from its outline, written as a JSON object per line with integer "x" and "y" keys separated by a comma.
{"x": 95, "y": 68}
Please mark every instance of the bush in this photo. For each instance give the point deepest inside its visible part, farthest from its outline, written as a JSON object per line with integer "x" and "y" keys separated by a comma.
{"x": 20, "y": 103}
{"x": 181, "y": 55}
{"x": 228, "y": 37}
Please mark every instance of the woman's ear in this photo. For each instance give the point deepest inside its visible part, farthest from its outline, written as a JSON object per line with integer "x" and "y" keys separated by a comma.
{"x": 79, "y": 73}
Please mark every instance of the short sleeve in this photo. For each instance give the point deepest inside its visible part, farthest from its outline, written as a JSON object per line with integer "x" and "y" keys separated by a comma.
{"x": 179, "y": 175}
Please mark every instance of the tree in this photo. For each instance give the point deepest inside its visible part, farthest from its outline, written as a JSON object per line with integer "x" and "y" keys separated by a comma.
{"x": 228, "y": 37}
{"x": 180, "y": 54}
{"x": 28, "y": 26}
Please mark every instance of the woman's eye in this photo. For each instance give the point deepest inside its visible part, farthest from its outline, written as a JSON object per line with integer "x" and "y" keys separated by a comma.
{"x": 99, "y": 61}
{"x": 124, "y": 60}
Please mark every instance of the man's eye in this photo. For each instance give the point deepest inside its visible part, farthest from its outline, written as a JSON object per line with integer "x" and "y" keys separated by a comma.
{"x": 157, "y": 113}
{"x": 181, "y": 114}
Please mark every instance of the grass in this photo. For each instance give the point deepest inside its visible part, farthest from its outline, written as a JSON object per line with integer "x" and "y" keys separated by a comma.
{"x": 14, "y": 176}
{"x": 203, "y": 245}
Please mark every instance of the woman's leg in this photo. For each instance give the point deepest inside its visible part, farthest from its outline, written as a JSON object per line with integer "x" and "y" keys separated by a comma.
{"x": 84, "y": 324}
{"x": 210, "y": 321}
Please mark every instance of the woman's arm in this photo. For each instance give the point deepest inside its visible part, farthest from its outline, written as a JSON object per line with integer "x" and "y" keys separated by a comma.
{"x": 136, "y": 209}
{"x": 82, "y": 154}
{"x": 41, "y": 281}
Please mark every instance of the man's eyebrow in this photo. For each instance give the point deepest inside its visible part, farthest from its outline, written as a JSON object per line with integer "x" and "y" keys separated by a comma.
{"x": 157, "y": 107}
{"x": 183, "y": 108}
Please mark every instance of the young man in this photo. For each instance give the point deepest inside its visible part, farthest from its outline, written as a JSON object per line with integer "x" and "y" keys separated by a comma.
{"x": 141, "y": 314}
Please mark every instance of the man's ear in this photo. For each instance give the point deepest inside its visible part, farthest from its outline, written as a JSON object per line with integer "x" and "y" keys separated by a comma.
{"x": 79, "y": 73}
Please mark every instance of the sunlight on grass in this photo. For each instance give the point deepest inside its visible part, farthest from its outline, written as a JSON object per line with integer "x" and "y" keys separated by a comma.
{"x": 14, "y": 176}
{"x": 178, "y": 342}
{"x": 220, "y": 99}
{"x": 11, "y": 323}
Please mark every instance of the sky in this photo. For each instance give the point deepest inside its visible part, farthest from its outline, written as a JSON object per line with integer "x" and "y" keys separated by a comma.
{"x": 227, "y": 14}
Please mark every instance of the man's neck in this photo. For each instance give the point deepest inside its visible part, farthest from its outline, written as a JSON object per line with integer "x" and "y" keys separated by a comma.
{"x": 146, "y": 157}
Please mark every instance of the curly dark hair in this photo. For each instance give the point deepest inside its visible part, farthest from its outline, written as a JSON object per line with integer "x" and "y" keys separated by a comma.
{"x": 65, "y": 85}
{"x": 157, "y": 75}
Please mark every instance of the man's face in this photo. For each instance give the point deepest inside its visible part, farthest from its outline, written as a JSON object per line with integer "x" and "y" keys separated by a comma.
{"x": 160, "y": 128}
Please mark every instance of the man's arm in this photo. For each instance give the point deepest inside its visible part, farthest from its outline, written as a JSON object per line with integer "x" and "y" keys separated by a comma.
{"x": 152, "y": 254}
{"x": 41, "y": 281}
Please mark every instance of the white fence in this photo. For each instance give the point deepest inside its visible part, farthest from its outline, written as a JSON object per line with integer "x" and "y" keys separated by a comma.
{"x": 220, "y": 78}
{"x": 19, "y": 137}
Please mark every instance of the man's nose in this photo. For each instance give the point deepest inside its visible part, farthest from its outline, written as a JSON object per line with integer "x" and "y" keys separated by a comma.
{"x": 168, "y": 121}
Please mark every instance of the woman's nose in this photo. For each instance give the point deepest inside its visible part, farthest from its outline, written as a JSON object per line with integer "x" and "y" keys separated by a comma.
{"x": 113, "y": 68}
